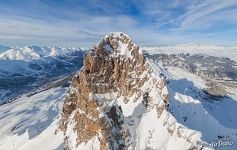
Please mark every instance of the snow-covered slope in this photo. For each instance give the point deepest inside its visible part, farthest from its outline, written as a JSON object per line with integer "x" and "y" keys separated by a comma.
{"x": 218, "y": 51}
{"x": 30, "y": 122}
{"x": 214, "y": 119}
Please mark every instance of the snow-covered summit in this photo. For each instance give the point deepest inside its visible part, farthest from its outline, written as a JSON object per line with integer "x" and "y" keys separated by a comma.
{"x": 119, "y": 44}
{"x": 24, "y": 53}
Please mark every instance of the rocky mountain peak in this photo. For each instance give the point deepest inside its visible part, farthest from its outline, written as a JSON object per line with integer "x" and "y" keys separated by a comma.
{"x": 117, "y": 44}
{"x": 108, "y": 97}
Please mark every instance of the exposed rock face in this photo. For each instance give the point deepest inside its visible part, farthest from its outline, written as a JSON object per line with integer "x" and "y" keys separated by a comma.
{"x": 110, "y": 94}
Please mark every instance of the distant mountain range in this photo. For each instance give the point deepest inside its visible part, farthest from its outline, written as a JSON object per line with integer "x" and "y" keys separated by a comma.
{"x": 37, "y": 52}
{"x": 28, "y": 53}
{"x": 25, "y": 68}
{"x": 193, "y": 48}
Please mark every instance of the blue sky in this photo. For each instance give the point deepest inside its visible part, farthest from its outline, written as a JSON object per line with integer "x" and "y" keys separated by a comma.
{"x": 147, "y": 22}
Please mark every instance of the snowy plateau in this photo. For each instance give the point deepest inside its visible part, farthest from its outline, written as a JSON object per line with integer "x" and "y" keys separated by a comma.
{"x": 181, "y": 97}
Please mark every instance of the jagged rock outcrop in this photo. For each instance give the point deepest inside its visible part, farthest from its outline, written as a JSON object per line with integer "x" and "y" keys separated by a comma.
{"x": 108, "y": 98}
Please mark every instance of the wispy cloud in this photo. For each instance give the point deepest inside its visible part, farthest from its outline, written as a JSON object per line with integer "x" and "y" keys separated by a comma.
{"x": 208, "y": 10}
{"x": 81, "y": 23}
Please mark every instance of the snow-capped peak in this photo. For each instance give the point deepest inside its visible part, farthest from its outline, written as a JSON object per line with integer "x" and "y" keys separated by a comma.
{"x": 119, "y": 44}
{"x": 24, "y": 53}
{"x": 28, "y": 53}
